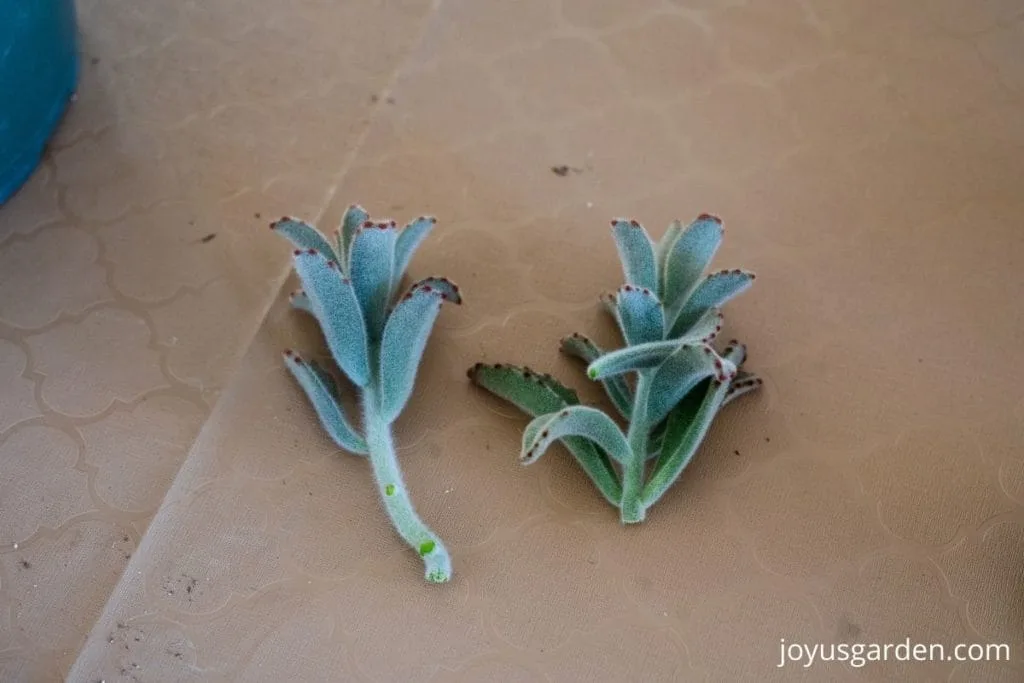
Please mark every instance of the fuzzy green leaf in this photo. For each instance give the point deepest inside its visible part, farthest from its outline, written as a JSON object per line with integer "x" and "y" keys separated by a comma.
{"x": 610, "y": 303}
{"x": 682, "y": 415}
{"x": 688, "y": 366}
{"x": 715, "y": 290}
{"x": 403, "y": 342}
{"x": 655, "y": 441}
{"x": 334, "y": 303}
{"x": 643, "y": 319}
{"x": 371, "y": 261}
{"x": 735, "y": 353}
{"x": 322, "y": 395}
{"x": 743, "y": 383}
{"x": 621, "y": 396}
{"x": 593, "y": 461}
{"x": 688, "y": 424}
{"x": 304, "y": 236}
{"x": 581, "y": 421}
{"x": 636, "y": 253}
{"x": 536, "y": 426}
{"x": 448, "y": 290}
{"x": 632, "y": 359}
{"x": 568, "y": 395}
{"x": 325, "y": 377}
{"x": 686, "y": 256}
{"x": 409, "y": 240}
{"x": 661, "y": 251}
{"x": 355, "y": 216}
{"x": 538, "y": 395}
{"x": 523, "y": 388}
{"x": 706, "y": 328}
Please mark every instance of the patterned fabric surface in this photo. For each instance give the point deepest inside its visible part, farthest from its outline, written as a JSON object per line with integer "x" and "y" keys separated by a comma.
{"x": 171, "y": 511}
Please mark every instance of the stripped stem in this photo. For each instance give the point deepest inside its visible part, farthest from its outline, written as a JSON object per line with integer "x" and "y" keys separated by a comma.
{"x": 383, "y": 459}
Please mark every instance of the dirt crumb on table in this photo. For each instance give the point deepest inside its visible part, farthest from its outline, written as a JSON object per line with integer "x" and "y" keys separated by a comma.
{"x": 564, "y": 170}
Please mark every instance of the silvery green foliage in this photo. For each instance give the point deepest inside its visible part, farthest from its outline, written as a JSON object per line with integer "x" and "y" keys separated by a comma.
{"x": 377, "y": 336}
{"x": 668, "y": 382}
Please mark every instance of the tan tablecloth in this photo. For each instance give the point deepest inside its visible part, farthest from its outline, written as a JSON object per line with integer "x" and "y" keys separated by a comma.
{"x": 866, "y": 157}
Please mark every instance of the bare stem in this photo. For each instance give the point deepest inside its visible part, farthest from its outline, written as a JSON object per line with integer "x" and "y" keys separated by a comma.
{"x": 438, "y": 564}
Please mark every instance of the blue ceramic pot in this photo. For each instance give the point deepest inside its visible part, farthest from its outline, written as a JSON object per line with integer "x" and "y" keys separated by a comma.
{"x": 38, "y": 76}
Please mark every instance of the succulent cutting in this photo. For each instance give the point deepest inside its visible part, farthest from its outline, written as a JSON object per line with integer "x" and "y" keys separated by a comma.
{"x": 377, "y": 336}
{"x": 667, "y": 383}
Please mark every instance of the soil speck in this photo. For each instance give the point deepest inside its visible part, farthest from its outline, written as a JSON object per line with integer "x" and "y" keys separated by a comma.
{"x": 25, "y": 564}
{"x": 564, "y": 170}
{"x": 209, "y": 238}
